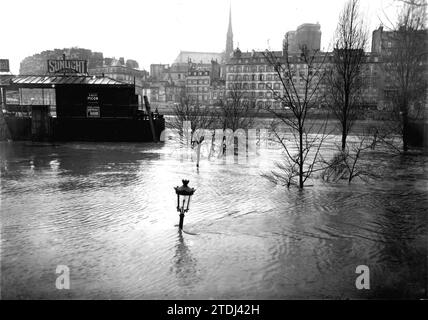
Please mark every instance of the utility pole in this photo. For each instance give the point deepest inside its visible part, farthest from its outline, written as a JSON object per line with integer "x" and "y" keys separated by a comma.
{"x": 152, "y": 127}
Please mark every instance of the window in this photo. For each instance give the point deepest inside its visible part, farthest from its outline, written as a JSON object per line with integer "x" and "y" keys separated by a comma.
{"x": 261, "y": 69}
{"x": 261, "y": 77}
{"x": 261, "y": 86}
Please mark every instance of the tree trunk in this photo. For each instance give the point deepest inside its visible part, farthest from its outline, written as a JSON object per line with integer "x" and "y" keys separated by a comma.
{"x": 405, "y": 120}
{"x": 345, "y": 119}
{"x": 344, "y": 135}
{"x": 301, "y": 158}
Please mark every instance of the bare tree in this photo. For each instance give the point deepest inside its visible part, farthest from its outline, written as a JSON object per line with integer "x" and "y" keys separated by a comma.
{"x": 301, "y": 77}
{"x": 202, "y": 120}
{"x": 404, "y": 55}
{"x": 348, "y": 164}
{"x": 415, "y": 3}
{"x": 238, "y": 111}
{"x": 344, "y": 77}
{"x": 200, "y": 117}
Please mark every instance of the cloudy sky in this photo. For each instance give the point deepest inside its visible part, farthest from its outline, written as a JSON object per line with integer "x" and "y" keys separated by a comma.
{"x": 154, "y": 31}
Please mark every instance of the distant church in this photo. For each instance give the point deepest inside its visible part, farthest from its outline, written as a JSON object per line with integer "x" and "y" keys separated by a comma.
{"x": 207, "y": 57}
{"x": 229, "y": 40}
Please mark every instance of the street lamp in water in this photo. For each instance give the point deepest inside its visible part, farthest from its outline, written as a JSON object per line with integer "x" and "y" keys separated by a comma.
{"x": 184, "y": 193}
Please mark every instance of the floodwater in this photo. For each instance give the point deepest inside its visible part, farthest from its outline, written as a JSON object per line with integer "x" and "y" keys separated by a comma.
{"x": 107, "y": 211}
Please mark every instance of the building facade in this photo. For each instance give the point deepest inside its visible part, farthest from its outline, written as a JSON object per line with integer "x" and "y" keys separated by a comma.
{"x": 36, "y": 64}
{"x": 388, "y": 46}
{"x": 198, "y": 84}
{"x": 253, "y": 75}
{"x": 307, "y": 35}
{"x": 122, "y": 73}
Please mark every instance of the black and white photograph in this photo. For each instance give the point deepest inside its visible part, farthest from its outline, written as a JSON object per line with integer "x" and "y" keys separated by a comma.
{"x": 213, "y": 150}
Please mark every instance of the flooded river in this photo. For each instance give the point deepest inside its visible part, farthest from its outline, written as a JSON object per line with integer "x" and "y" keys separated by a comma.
{"x": 107, "y": 212}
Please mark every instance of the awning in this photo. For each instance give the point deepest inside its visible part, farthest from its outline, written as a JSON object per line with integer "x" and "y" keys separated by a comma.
{"x": 49, "y": 81}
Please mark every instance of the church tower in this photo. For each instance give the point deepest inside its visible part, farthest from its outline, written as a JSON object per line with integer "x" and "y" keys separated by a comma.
{"x": 229, "y": 40}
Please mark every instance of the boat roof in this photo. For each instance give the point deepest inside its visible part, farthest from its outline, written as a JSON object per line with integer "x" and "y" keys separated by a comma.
{"x": 49, "y": 81}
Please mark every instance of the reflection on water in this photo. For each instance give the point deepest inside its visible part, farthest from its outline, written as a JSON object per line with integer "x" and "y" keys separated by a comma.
{"x": 185, "y": 265}
{"x": 107, "y": 211}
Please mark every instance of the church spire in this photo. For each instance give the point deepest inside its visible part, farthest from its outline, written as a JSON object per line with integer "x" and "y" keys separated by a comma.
{"x": 229, "y": 30}
{"x": 229, "y": 40}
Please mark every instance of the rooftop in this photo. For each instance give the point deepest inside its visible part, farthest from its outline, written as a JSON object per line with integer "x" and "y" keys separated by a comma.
{"x": 48, "y": 81}
{"x": 198, "y": 57}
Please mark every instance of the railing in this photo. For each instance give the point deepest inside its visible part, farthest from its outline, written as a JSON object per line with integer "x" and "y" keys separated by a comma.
{"x": 17, "y": 110}
{"x": 79, "y": 111}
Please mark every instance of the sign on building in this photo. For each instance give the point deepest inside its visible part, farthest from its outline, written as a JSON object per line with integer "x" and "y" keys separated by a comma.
{"x": 92, "y": 108}
{"x": 67, "y": 66}
{"x": 93, "y": 112}
{"x": 4, "y": 65}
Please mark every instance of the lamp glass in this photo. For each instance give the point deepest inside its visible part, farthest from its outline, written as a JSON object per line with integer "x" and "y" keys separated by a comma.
{"x": 188, "y": 202}
{"x": 183, "y": 202}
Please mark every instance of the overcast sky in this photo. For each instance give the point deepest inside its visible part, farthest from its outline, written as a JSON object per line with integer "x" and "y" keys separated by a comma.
{"x": 154, "y": 31}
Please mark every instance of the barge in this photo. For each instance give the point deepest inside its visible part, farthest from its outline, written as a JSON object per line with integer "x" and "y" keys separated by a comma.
{"x": 67, "y": 104}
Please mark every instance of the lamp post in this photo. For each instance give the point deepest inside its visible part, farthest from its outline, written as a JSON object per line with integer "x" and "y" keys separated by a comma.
{"x": 184, "y": 193}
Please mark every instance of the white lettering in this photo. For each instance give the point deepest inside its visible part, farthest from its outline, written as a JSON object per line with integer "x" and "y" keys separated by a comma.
{"x": 62, "y": 281}
{"x": 363, "y": 280}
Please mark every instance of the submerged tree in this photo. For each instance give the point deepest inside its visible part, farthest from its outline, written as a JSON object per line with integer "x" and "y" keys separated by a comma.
{"x": 301, "y": 76}
{"x": 238, "y": 111}
{"x": 187, "y": 111}
{"x": 344, "y": 77}
{"x": 348, "y": 164}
